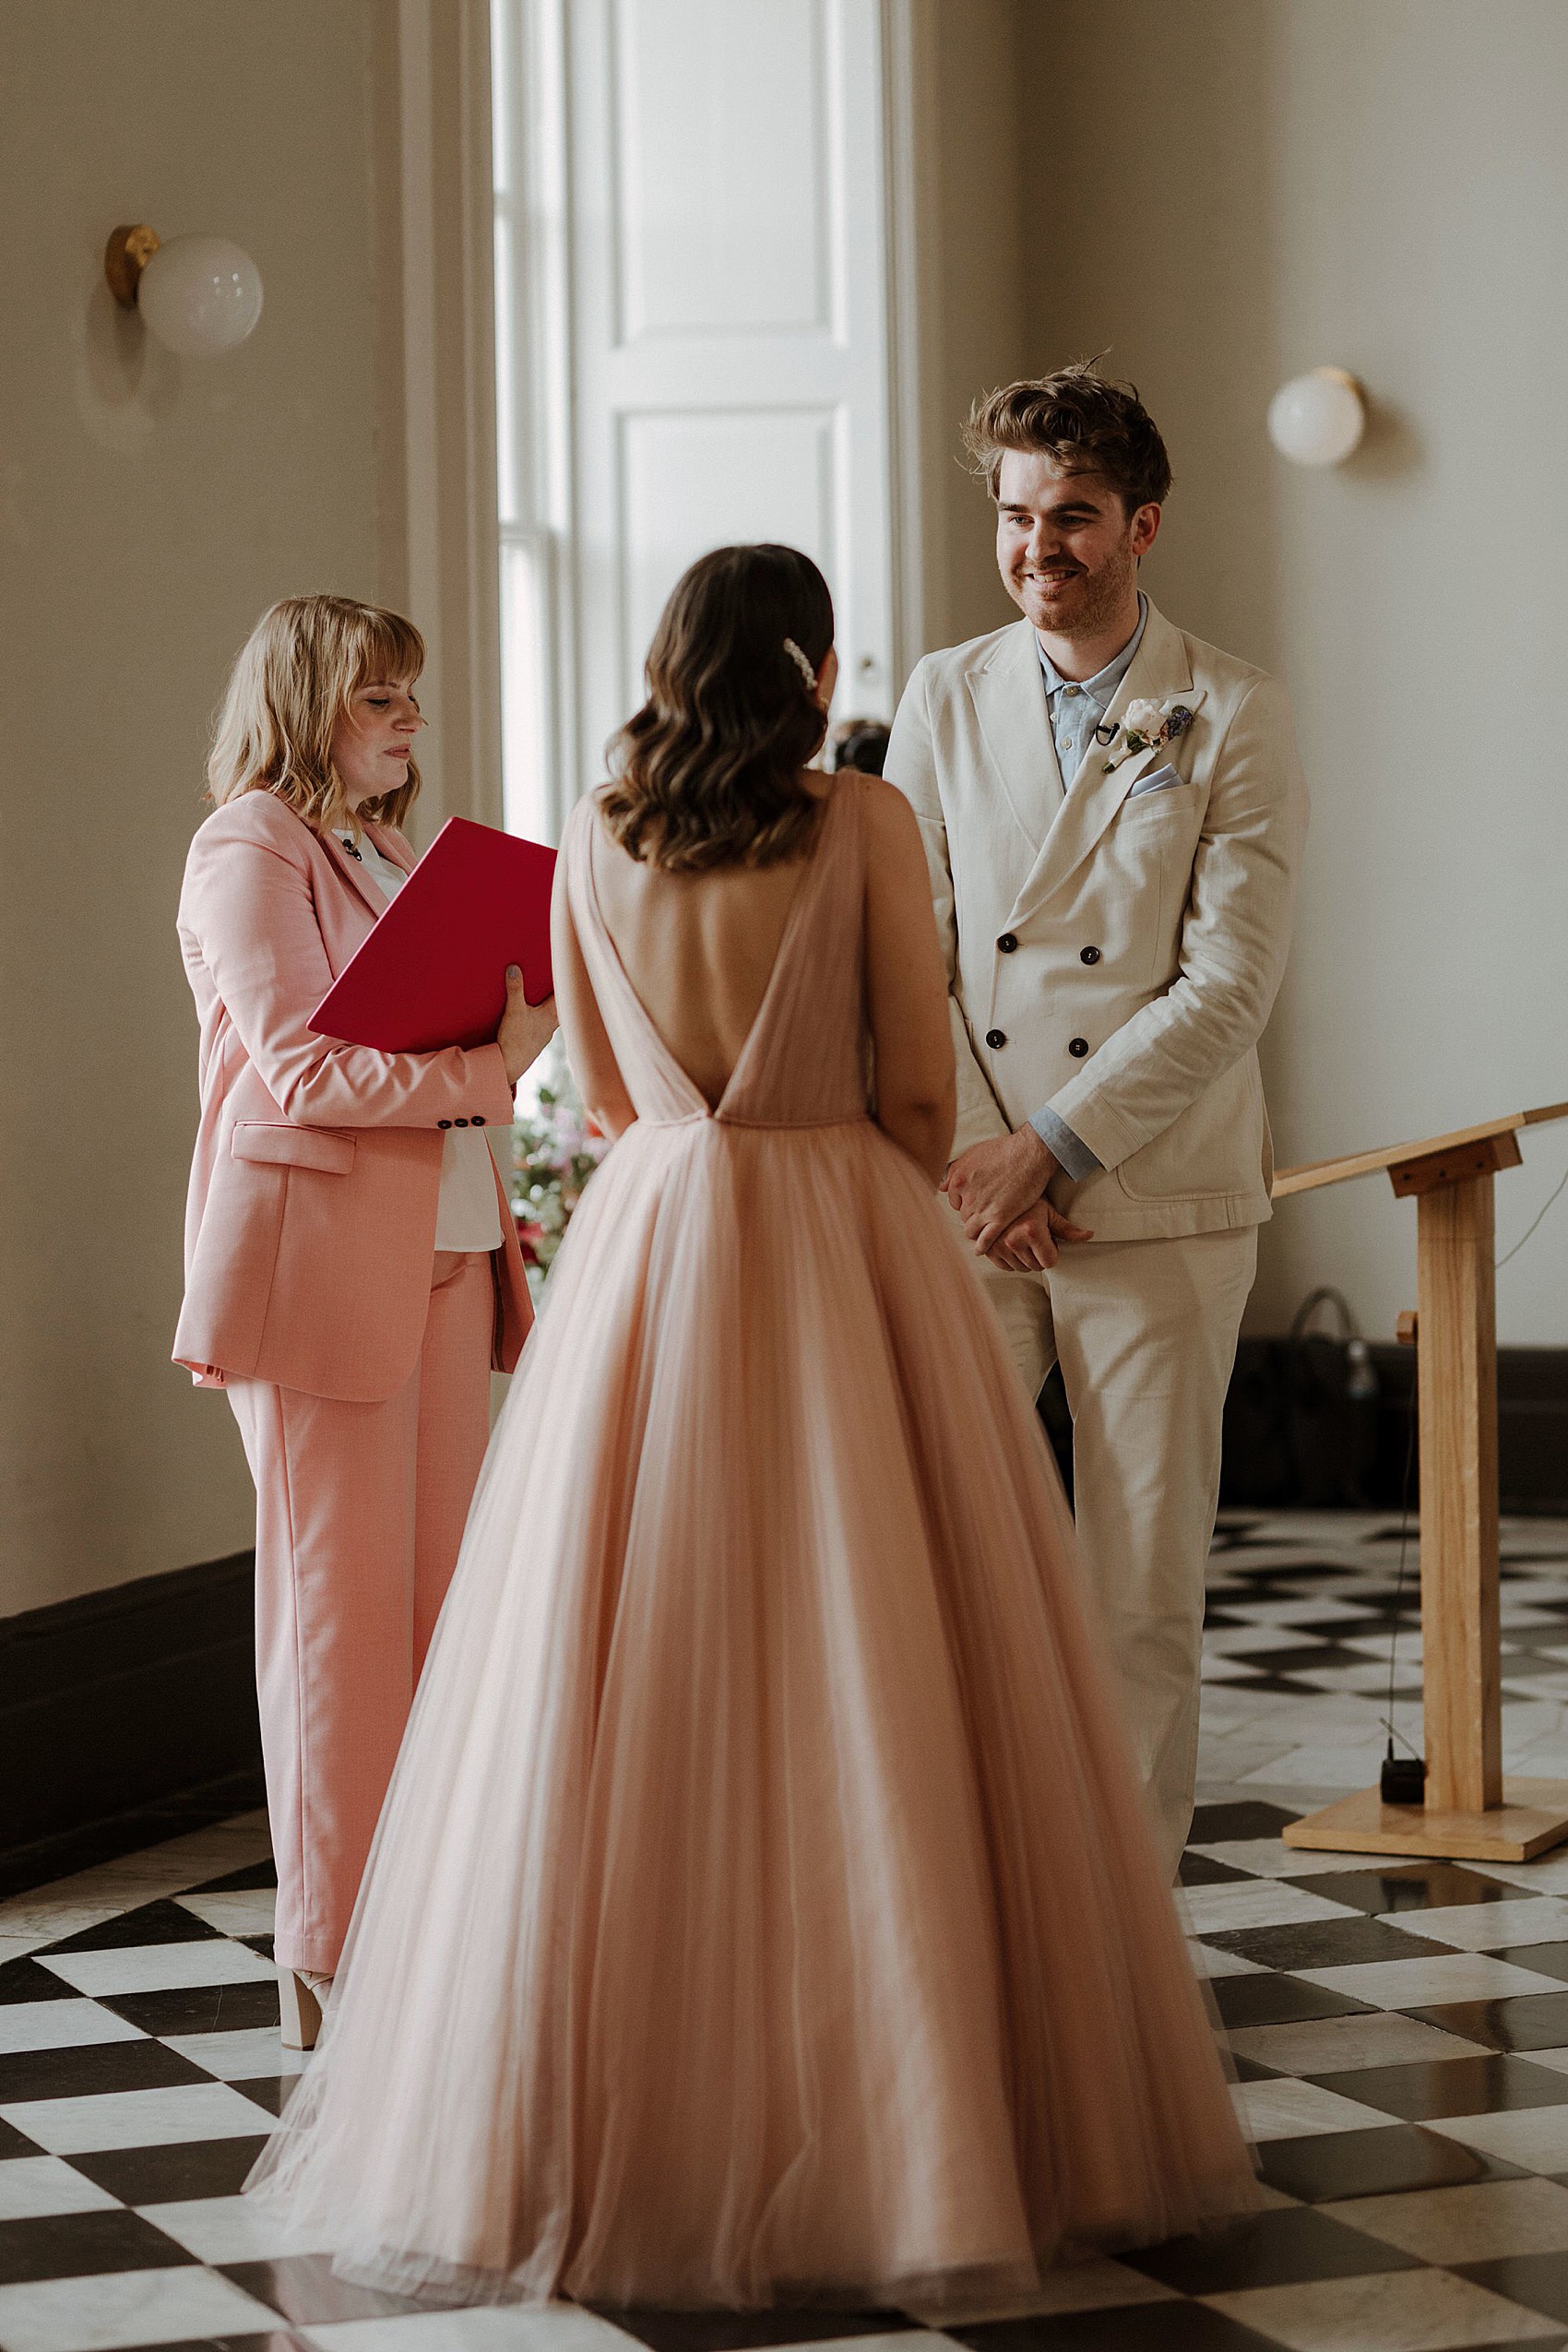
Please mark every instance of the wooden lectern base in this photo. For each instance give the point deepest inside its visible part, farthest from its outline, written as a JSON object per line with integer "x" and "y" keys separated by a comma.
{"x": 1532, "y": 1816}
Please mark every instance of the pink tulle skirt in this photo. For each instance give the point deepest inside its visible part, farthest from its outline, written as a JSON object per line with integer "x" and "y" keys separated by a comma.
{"x": 763, "y": 1908}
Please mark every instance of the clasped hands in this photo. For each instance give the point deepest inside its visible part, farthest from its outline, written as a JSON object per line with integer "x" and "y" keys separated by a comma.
{"x": 998, "y": 1191}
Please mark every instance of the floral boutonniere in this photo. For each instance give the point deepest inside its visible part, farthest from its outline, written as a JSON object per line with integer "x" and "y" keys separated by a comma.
{"x": 1146, "y": 726}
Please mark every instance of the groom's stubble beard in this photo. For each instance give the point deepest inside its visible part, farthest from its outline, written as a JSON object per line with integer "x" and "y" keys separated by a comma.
{"x": 1098, "y": 597}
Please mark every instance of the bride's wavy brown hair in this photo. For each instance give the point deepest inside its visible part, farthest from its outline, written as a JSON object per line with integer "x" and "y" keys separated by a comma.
{"x": 709, "y": 771}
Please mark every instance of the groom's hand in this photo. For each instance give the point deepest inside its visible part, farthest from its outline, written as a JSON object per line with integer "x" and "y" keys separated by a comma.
{"x": 992, "y": 1184}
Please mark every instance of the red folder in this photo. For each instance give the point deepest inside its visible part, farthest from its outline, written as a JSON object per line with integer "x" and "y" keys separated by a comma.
{"x": 434, "y": 970}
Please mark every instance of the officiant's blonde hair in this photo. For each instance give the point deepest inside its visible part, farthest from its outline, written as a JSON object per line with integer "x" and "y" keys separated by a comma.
{"x": 296, "y": 676}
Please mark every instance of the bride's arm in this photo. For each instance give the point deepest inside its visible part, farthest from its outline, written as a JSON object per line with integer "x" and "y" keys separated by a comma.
{"x": 907, "y": 986}
{"x": 589, "y": 1050}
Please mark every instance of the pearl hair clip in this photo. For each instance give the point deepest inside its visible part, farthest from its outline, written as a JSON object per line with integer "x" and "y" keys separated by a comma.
{"x": 803, "y": 663}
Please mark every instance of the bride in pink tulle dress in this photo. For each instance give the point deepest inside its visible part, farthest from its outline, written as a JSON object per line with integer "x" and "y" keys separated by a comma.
{"x": 762, "y": 1910}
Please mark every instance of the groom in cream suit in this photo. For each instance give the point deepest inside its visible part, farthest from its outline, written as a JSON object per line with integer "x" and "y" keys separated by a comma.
{"x": 1113, "y": 815}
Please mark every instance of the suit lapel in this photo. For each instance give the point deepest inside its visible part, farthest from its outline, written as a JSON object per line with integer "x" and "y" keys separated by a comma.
{"x": 1009, "y": 693}
{"x": 354, "y": 872}
{"x": 1159, "y": 668}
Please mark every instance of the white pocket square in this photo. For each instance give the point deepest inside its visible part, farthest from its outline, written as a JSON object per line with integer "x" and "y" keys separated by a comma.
{"x": 1159, "y": 780}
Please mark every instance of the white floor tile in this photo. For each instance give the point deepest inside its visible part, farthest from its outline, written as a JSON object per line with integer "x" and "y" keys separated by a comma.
{"x": 1488, "y": 1926}
{"x": 1536, "y": 2137}
{"x": 1424, "y": 1984}
{"x": 126, "y": 2307}
{"x": 234, "y": 2229}
{"x": 1263, "y": 1903}
{"x": 60, "y": 2025}
{"x": 1270, "y": 1859}
{"x": 1287, "y": 2110}
{"x": 1472, "y": 2223}
{"x": 1403, "y": 2310}
{"x": 31, "y": 2187}
{"x": 1354, "y": 1766}
{"x": 1343, "y": 2045}
{"x": 557, "y": 2327}
{"x": 236, "y": 1910}
{"x": 152, "y": 1967}
{"x": 138, "y": 2120}
{"x": 244, "y": 2057}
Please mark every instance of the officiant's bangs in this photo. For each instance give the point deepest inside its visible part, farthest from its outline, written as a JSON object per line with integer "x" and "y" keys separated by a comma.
{"x": 297, "y": 674}
{"x": 709, "y": 772}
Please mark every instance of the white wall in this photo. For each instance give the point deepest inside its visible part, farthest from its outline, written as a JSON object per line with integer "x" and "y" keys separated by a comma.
{"x": 1224, "y": 194}
{"x": 151, "y": 509}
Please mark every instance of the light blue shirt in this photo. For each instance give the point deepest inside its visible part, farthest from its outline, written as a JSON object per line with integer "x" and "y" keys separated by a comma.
{"x": 1076, "y": 708}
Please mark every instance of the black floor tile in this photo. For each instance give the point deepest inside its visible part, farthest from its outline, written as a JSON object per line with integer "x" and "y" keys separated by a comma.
{"x": 81, "y": 2245}
{"x": 740, "y": 2331}
{"x": 92, "y": 2070}
{"x": 12, "y": 2144}
{"x": 162, "y": 1922}
{"x": 171, "y": 2175}
{"x": 1525, "y": 2021}
{"x": 1374, "y": 2162}
{"x": 1538, "y": 2281}
{"x": 262, "y": 1944}
{"x": 25, "y": 1980}
{"x": 1138, "y": 2327}
{"x": 306, "y": 2290}
{"x": 1283, "y": 2000}
{"x": 273, "y": 2091}
{"x": 1268, "y": 2249}
{"x": 256, "y": 1874}
{"x": 1249, "y": 2069}
{"x": 1326, "y": 1943}
{"x": 198, "y": 2009}
{"x": 1495, "y": 2084}
{"x": 1547, "y": 1959}
{"x": 25, "y": 1867}
{"x": 1217, "y": 1824}
{"x": 1410, "y": 1886}
{"x": 1197, "y": 1870}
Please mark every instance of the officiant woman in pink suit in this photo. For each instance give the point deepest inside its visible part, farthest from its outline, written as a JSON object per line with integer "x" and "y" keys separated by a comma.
{"x": 351, "y": 1267}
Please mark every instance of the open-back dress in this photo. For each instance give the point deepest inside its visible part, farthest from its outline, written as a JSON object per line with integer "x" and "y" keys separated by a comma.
{"x": 762, "y": 1908}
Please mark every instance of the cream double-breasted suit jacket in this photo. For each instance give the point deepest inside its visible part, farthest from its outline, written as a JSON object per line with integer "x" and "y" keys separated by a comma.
{"x": 1124, "y": 946}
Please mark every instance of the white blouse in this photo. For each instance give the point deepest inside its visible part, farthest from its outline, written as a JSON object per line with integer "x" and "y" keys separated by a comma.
{"x": 469, "y": 1215}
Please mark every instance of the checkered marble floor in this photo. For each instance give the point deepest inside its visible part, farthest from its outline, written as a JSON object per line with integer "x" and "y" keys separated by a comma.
{"x": 1400, "y": 2030}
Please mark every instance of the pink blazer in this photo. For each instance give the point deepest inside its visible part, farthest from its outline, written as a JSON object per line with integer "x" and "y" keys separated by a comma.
{"x": 310, "y": 1225}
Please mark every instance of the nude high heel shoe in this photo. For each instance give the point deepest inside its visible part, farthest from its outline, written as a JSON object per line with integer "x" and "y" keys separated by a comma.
{"x": 301, "y": 1993}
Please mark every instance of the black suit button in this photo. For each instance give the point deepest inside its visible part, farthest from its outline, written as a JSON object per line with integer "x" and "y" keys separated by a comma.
{"x": 459, "y": 1122}
{"x": 996, "y": 1040}
{"x": 1078, "y": 1047}
{"x": 1007, "y": 943}
{"x": 444, "y": 1123}
{"x": 478, "y": 1119}
{"x": 1089, "y": 954}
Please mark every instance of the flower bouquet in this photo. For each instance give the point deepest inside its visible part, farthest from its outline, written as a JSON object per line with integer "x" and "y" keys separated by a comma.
{"x": 555, "y": 1148}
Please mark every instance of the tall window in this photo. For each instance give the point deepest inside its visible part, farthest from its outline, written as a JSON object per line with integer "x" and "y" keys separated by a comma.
{"x": 693, "y": 338}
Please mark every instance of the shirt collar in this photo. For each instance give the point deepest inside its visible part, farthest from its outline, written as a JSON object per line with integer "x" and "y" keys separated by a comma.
{"x": 1100, "y": 688}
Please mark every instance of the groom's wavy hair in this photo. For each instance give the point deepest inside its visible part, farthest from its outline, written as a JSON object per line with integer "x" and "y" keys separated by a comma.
{"x": 709, "y": 771}
{"x": 1082, "y": 423}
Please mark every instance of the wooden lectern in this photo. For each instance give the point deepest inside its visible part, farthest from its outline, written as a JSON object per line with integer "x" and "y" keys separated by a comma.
{"x": 1470, "y": 1810}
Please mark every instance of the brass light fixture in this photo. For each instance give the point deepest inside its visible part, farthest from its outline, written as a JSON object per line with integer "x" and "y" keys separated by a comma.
{"x": 199, "y": 296}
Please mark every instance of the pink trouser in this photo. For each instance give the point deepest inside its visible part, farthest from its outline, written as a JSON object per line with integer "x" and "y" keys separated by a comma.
{"x": 359, "y": 1512}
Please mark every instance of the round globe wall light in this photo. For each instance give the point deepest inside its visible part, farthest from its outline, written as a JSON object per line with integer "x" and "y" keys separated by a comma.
{"x": 199, "y": 296}
{"x": 1319, "y": 418}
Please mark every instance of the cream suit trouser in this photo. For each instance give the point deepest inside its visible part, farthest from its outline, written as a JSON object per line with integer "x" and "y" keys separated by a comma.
{"x": 360, "y": 1513}
{"x": 1145, "y": 1335}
